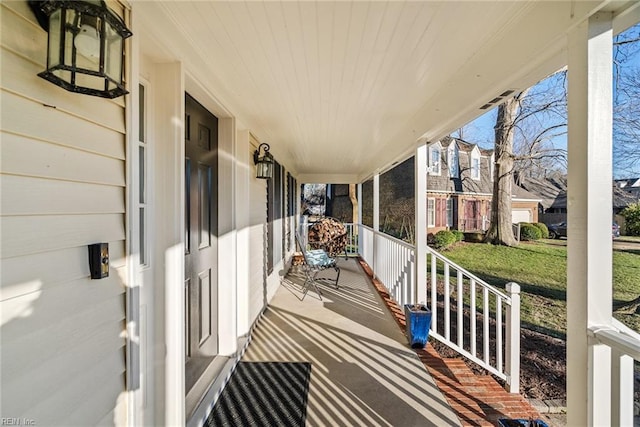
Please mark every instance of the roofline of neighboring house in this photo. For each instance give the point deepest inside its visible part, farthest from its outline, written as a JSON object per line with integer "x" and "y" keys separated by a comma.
{"x": 484, "y": 152}
{"x": 514, "y": 199}
{"x": 462, "y": 193}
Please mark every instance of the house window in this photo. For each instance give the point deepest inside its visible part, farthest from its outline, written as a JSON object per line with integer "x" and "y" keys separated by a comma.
{"x": 449, "y": 212}
{"x": 291, "y": 206}
{"x": 452, "y": 161}
{"x": 275, "y": 212}
{"x": 475, "y": 166}
{"x": 143, "y": 211}
{"x": 431, "y": 212}
{"x": 434, "y": 159}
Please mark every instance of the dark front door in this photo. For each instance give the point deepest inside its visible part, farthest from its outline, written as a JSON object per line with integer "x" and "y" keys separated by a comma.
{"x": 201, "y": 217}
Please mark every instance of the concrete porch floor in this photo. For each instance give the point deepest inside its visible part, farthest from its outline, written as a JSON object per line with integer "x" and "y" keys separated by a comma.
{"x": 363, "y": 371}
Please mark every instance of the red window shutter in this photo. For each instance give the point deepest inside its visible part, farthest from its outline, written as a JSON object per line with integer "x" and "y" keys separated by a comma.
{"x": 441, "y": 212}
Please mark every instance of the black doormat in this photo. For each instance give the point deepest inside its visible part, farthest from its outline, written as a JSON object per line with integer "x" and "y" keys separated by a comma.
{"x": 264, "y": 394}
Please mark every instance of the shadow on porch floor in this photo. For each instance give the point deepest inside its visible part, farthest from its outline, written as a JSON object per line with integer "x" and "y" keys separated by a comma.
{"x": 363, "y": 372}
{"x": 477, "y": 400}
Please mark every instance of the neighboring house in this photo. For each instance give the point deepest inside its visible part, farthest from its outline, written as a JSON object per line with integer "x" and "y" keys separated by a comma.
{"x": 552, "y": 191}
{"x": 460, "y": 188}
{"x": 631, "y": 185}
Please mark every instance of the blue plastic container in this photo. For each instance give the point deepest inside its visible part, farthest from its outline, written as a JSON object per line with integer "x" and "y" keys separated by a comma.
{"x": 521, "y": 422}
{"x": 418, "y": 321}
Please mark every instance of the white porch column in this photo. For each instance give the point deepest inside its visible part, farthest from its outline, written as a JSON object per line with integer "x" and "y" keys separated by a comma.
{"x": 376, "y": 202}
{"x": 376, "y": 219}
{"x": 359, "y": 196}
{"x": 589, "y": 254}
{"x": 169, "y": 245}
{"x": 359, "y": 229}
{"x": 227, "y": 238}
{"x": 421, "y": 223}
{"x": 242, "y": 209}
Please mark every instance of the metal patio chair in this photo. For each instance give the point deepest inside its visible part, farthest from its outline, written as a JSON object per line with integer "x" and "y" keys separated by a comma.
{"x": 314, "y": 262}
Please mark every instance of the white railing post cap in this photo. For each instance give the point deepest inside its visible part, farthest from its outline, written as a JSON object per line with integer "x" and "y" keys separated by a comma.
{"x": 513, "y": 288}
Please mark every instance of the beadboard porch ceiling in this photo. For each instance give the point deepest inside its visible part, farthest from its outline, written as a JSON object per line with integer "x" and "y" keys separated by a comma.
{"x": 343, "y": 89}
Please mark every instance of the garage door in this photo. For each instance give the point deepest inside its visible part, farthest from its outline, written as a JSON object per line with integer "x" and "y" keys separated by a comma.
{"x": 520, "y": 215}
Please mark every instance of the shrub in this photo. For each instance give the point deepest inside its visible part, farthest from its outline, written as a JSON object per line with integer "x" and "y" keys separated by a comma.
{"x": 543, "y": 229}
{"x": 458, "y": 234}
{"x": 443, "y": 239}
{"x": 632, "y": 219}
{"x": 529, "y": 232}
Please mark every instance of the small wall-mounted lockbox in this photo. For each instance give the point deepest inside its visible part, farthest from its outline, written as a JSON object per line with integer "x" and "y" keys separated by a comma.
{"x": 99, "y": 260}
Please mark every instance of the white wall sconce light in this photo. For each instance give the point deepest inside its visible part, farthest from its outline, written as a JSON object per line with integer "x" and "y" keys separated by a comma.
{"x": 264, "y": 163}
{"x": 85, "y": 52}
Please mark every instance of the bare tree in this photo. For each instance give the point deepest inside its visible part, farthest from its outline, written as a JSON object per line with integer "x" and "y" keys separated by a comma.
{"x": 500, "y": 232}
{"x": 626, "y": 112}
{"x": 354, "y": 203}
{"x": 528, "y": 127}
{"x": 541, "y": 127}
{"x": 626, "y": 123}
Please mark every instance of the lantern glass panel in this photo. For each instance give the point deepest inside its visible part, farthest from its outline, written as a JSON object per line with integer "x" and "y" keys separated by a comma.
{"x": 113, "y": 54}
{"x": 54, "y": 38}
{"x": 264, "y": 169}
{"x": 89, "y": 81}
{"x": 69, "y": 25}
{"x": 63, "y": 74}
{"x": 87, "y": 43}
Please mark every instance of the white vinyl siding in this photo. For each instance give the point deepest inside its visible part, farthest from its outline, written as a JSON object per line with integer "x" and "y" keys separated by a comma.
{"x": 63, "y": 188}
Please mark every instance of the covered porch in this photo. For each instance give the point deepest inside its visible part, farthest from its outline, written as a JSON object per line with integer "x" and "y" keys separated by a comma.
{"x": 363, "y": 371}
{"x": 342, "y": 92}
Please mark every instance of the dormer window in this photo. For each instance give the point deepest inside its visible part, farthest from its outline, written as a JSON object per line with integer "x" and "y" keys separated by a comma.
{"x": 435, "y": 154}
{"x": 475, "y": 164}
{"x": 452, "y": 161}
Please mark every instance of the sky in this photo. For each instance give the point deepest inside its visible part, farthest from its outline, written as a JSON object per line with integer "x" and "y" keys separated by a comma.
{"x": 481, "y": 132}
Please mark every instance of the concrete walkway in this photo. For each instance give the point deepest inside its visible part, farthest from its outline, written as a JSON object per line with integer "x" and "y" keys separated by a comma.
{"x": 363, "y": 371}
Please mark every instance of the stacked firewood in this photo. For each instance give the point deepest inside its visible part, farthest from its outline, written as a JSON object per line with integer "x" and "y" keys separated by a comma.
{"x": 328, "y": 234}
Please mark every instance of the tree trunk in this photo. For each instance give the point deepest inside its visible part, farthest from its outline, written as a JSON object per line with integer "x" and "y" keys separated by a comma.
{"x": 354, "y": 203}
{"x": 501, "y": 231}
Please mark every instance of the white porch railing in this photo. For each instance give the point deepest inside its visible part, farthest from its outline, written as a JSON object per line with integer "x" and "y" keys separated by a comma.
{"x": 625, "y": 347}
{"x": 392, "y": 262}
{"x": 481, "y": 338}
{"x": 490, "y": 336}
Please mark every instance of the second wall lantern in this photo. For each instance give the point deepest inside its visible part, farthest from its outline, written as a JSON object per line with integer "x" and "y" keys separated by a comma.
{"x": 85, "y": 52}
{"x": 264, "y": 163}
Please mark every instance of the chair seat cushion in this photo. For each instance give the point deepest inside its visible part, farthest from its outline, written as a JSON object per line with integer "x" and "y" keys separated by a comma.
{"x": 319, "y": 258}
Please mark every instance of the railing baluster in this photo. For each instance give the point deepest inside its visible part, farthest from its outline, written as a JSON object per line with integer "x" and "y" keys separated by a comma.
{"x": 434, "y": 293}
{"x": 621, "y": 388}
{"x": 447, "y": 303}
{"x": 460, "y": 325}
{"x": 472, "y": 318}
{"x": 499, "y": 333}
{"x": 485, "y": 324}
{"x": 512, "y": 347}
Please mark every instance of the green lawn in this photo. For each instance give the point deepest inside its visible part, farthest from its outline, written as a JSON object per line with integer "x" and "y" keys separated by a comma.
{"x": 541, "y": 270}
